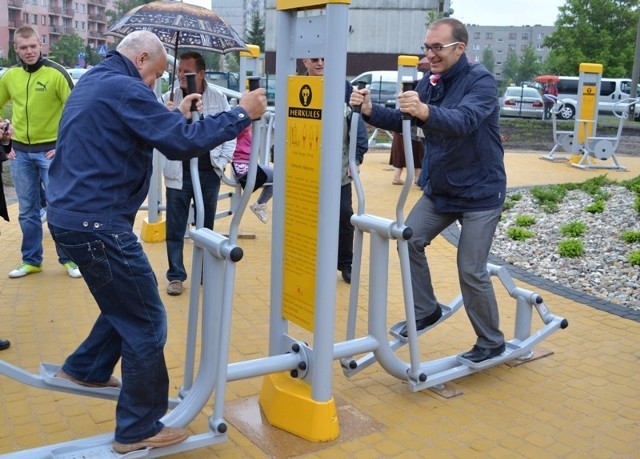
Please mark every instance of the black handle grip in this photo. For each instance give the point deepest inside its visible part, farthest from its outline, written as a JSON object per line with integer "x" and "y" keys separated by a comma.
{"x": 360, "y": 85}
{"x": 407, "y": 86}
{"x": 254, "y": 82}
{"x": 191, "y": 87}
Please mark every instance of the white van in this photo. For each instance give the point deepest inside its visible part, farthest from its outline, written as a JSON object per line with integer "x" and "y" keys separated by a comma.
{"x": 612, "y": 90}
{"x": 382, "y": 84}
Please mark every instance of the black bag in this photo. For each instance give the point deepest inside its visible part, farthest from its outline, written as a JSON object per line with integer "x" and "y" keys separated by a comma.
{"x": 261, "y": 179}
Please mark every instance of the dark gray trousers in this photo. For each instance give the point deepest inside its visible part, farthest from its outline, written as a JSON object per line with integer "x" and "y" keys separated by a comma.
{"x": 476, "y": 235}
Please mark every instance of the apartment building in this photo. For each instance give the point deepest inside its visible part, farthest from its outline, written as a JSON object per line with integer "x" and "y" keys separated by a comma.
{"x": 502, "y": 39}
{"x": 54, "y": 19}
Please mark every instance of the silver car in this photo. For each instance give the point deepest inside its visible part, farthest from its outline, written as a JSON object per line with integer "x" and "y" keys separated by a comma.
{"x": 523, "y": 102}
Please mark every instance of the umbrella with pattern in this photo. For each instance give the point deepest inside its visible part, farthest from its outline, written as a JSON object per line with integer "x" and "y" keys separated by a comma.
{"x": 181, "y": 25}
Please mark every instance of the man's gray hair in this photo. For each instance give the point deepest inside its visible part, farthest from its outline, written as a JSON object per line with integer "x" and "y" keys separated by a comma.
{"x": 139, "y": 41}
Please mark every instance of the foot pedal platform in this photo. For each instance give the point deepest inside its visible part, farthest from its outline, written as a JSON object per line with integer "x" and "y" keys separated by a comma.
{"x": 96, "y": 452}
{"x": 394, "y": 330}
{"x": 48, "y": 372}
{"x": 511, "y": 352}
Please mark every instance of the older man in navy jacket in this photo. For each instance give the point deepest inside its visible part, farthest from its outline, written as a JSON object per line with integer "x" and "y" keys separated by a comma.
{"x": 456, "y": 107}
{"x": 97, "y": 182}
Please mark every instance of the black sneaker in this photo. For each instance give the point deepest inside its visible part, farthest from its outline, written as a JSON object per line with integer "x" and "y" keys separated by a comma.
{"x": 479, "y": 354}
{"x": 346, "y": 274}
{"x": 425, "y": 322}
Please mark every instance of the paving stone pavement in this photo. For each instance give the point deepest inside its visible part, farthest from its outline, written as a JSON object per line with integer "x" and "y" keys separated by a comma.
{"x": 582, "y": 401}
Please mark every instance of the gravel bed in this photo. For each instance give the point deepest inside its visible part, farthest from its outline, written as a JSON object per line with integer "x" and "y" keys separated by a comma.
{"x": 603, "y": 270}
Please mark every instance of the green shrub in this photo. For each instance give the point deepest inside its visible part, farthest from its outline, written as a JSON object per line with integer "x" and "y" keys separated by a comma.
{"x": 573, "y": 229}
{"x": 570, "y": 248}
{"x": 525, "y": 220}
{"x": 634, "y": 258}
{"x": 596, "y": 207}
{"x": 548, "y": 194}
{"x": 630, "y": 236}
{"x": 519, "y": 234}
{"x": 508, "y": 205}
{"x": 636, "y": 204}
{"x": 515, "y": 196}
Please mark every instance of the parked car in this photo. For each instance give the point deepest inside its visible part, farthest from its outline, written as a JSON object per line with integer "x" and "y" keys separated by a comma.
{"x": 383, "y": 93}
{"x": 522, "y": 102}
{"x": 76, "y": 74}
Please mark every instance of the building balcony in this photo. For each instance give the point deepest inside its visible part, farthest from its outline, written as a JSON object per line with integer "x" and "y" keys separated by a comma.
{"x": 96, "y": 2}
{"x": 68, "y": 12}
{"x": 98, "y": 18}
{"x": 55, "y": 10}
{"x": 57, "y": 30}
{"x": 95, "y": 34}
{"x": 15, "y": 23}
{"x": 16, "y": 4}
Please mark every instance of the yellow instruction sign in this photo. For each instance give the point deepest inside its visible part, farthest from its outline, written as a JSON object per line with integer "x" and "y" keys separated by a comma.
{"x": 302, "y": 191}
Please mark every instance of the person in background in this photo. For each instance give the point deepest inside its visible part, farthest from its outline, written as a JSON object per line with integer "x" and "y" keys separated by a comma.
{"x": 549, "y": 89}
{"x": 6, "y": 132}
{"x": 315, "y": 67}
{"x": 177, "y": 175}
{"x": 456, "y": 106}
{"x": 98, "y": 180}
{"x": 264, "y": 175}
{"x": 38, "y": 89}
{"x": 397, "y": 158}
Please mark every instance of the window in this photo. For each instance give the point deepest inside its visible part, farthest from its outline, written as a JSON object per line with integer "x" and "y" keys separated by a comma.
{"x": 500, "y": 40}
{"x": 499, "y": 51}
{"x": 525, "y": 35}
{"x": 523, "y": 47}
{"x": 34, "y": 19}
{"x": 498, "y": 62}
{"x": 82, "y": 25}
{"x": 512, "y": 35}
{"x": 488, "y": 35}
{"x": 43, "y": 20}
{"x": 476, "y": 35}
{"x": 84, "y": 8}
{"x": 512, "y": 47}
{"x": 77, "y": 24}
{"x": 44, "y": 39}
{"x": 476, "y": 46}
{"x": 488, "y": 46}
{"x": 540, "y": 35}
{"x": 477, "y": 58}
{"x": 539, "y": 47}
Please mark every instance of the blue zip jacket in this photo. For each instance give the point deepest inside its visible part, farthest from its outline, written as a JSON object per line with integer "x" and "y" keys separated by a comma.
{"x": 100, "y": 174}
{"x": 464, "y": 159}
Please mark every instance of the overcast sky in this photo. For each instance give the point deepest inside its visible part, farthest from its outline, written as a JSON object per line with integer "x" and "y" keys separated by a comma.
{"x": 490, "y": 12}
{"x": 506, "y": 12}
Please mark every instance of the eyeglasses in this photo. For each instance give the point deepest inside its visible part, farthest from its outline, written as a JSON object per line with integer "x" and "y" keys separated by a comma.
{"x": 437, "y": 48}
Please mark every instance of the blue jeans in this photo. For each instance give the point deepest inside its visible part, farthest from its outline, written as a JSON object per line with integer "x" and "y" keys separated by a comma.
{"x": 132, "y": 324}
{"x": 178, "y": 202}
{"x": 30, "y": 171}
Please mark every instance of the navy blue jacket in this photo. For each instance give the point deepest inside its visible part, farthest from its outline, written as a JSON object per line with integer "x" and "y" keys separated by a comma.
{"x": 463, "y": 151}
{"x": 112, "y": 120}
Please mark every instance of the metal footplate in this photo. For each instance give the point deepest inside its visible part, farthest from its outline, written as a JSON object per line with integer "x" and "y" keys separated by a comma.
{"x": 48, "y": 372}
{"x": 512, "y": 351}
{"x": 394, "y": 330}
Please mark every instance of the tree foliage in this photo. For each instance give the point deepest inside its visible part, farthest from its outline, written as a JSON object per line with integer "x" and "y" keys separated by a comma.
{"x": 488, "y": 60}
{"x": 65, "y": 52}
{"x": 122, "y": 7}
{"x": 594, "y": 31}
{"x": 255, "y": 34}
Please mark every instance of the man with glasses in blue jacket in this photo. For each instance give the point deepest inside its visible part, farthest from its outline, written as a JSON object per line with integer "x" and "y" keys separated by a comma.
{"x": 456, "y": 106}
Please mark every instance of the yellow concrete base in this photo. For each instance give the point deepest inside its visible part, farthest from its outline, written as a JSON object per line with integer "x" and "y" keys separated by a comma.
{"x": 287, "y": 404}
{"x": 153, "y": 232}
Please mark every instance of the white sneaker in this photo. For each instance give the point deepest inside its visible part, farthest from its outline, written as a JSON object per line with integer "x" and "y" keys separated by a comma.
{"x": 72, "y": 269}
{"x": 24, "y": 269}
{"x": 260, "y": 210}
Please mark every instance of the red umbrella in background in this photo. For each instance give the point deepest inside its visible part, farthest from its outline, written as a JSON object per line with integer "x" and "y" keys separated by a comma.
{"x": 547, "y": 78}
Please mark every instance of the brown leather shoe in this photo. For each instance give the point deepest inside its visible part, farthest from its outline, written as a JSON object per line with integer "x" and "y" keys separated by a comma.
{"x": 168, "y": 436}
{"x": 174, "y": 288}
{"x": 112, "y": 382}
{"x": 4, "y": 344}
